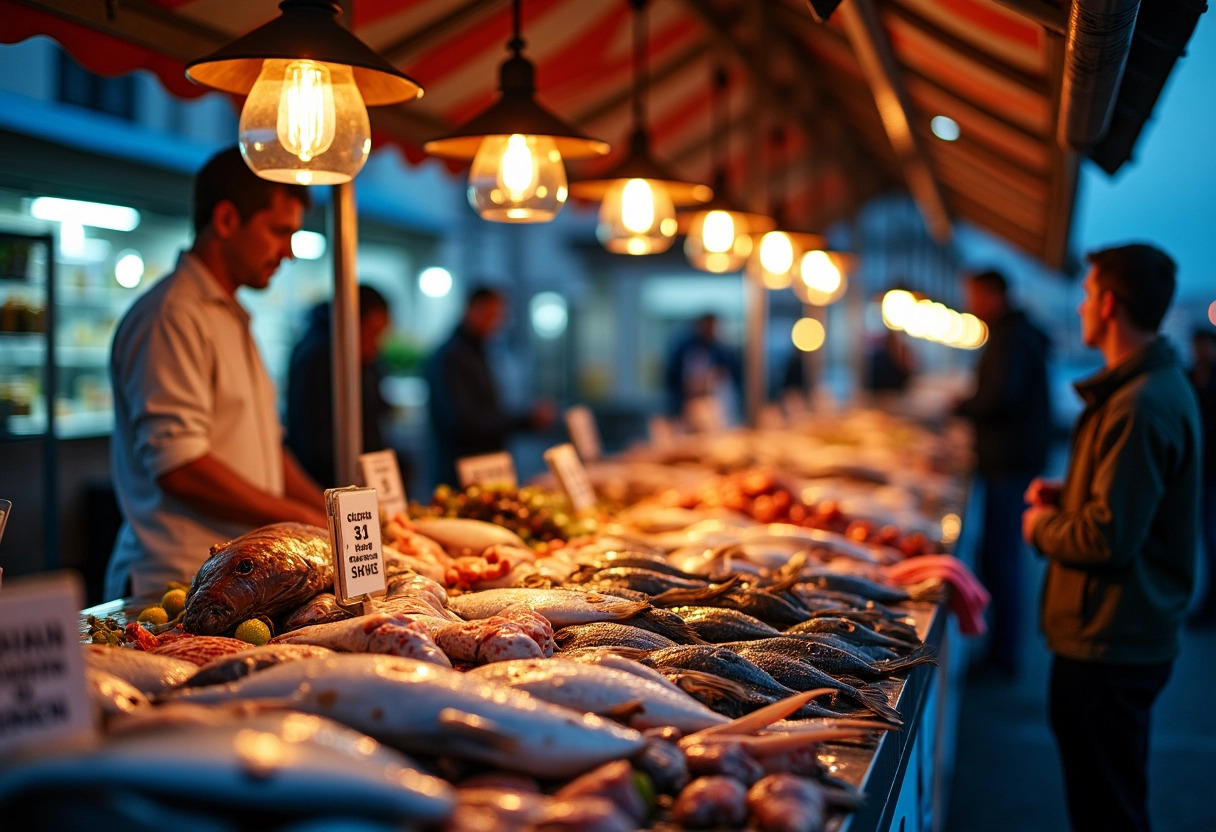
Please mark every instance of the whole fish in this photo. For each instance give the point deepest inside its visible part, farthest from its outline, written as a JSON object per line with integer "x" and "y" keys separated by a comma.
{"x": 227, "y": 669}
{"x": 146, "y": 672}
{"x": 426, "y": 708}
{"x": 614, "y": 658}
{"x": 773, "y": 609}
{"x": 720, "y": 662}
{"x": 869, "y": 652}
{"x": 854, "y": 631}
{"x": 638, "y": 702}
{"x": 836, "y": 660}
{"x": 718, "y": 624}
{"x": 648, "y": 581}
{"x": 269, "y": 571}
{"x": 667, "y": 624}
{"x": 561, "y": 607}
{"x": 591, "y": 564}
{"x": 323, "y": 608}
{"x": 382, "y": 633}
{"x": 857, "y": 585}
{"x": 609, "y": 634}
{"x": 110, "y": 695}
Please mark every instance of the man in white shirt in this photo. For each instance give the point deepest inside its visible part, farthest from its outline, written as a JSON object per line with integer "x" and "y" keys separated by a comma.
{"x": 197, "y": 450}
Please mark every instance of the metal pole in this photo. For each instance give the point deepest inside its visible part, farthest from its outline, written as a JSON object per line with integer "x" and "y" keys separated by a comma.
{"x": 756, "y": 301}
{"x": 344, "y": 335}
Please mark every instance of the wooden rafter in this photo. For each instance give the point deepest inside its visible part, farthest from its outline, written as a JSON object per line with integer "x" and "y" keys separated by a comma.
{"x": 873, "y": 51}
{"x": 1065, "y": 170}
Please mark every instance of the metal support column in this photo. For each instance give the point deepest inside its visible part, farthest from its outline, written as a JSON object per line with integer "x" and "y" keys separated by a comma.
{"x": 347, "y": 387}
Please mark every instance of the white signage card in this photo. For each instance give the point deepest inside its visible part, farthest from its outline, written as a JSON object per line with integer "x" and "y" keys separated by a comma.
{"x": 662, "y": 435}
{"x": 43, "y": 694}
{"x": 583, "y": 432}
{"x": 487, "y": 469}
{"x": 354, "y": 530}
{"x": 563, "y": 461}
{"x": 381, "y": 472}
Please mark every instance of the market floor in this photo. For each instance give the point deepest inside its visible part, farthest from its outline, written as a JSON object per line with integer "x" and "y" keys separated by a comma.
{"x": 1006, "y": 772}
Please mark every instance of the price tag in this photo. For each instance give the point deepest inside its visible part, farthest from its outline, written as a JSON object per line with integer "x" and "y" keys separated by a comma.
{"x": 43, "y": 694}
{"x": 583, "y": 433}
{"x": 662, "y": 435}
{"x": 563, "y": 461}
{"x": 487, "y": 469}
{"x": 354, "y": 534}
{"x": 770, "y": 417}
{"x": 381, "y": 472}
{"x": 704, "y": 414}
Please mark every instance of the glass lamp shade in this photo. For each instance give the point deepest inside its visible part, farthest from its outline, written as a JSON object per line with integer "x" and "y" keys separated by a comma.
{"x": 772, "y": 263}
{"x": 636, "y": 217}
{"x": 517, "y": 178}
{"x": 821, "y": 280}
{"x": 304, "y": 123}
{"x": 718, "y": 241}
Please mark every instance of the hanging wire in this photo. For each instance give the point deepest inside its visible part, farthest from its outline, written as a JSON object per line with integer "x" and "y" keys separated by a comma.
{"x": 721, "y": 79}
{"x": 516, "y": 44}
{"x": 640, "y": 78}
{"x": 779, "y": 190}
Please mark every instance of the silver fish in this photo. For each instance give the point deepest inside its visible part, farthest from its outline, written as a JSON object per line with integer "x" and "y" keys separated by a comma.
{"x": 431, "y": 709}
{"x": 146, "y": 672}
{"x": 383, "y": 633}
{"x": 561, "y": 607}
{"x": 637, "y": 701}
{"x": 227, "y": 669}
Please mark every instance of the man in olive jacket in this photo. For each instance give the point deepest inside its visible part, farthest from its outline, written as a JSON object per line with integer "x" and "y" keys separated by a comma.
{"x": 1120, "y": 536}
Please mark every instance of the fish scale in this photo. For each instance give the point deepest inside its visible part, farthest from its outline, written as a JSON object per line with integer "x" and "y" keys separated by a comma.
{"x": 718, "y": 624}
{"x": 609, "y": 634}
{"x": 801, "y": 675}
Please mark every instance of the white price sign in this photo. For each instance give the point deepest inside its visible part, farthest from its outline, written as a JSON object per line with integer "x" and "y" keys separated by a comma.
{"x": 43, "y": 695}
{"x": 381, "y": 472}
{"x": 583, "y": 432}
{"x": 487, "y": 469}
{"x": 354, "y": 531}
{"x": 563, "y": 461}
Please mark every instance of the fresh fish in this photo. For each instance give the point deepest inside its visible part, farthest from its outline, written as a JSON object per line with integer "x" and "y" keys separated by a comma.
{"x": 322, "y": 608}
{"x": 854, "y": 631}
{"x": 667, "y": 624}
{"x": 814, "y": 598}
{"x": 648, "y": 581}
{"x": 836, "y": 660}
{"x": 710, "y": 802}
{"x": 462, "y": 537}
{"x": 381, "y": 633}
{"x": 227, "y": 669}
{"x": 772, "y": 609}
{"x": 590, "y": 564}
{"x": 627, "y": 697}
{"x": 266, "y": 766}
{"x": 614, "y": 658}
{"x": 857, "y": 585}
{"x": 609, "y": 634}
{"x": 787, "y": 803}
{"x": 111, "y": 695}
{"x": 430, "y": 709}
{"x": 426, "y": 590}
{"x": 868, "y": 652}
{"x": 720, "y": 662}
{"x": 561, "y": 607}
{"x": 718, "y": 624}
{"x": 148, "y": 673}
{"x": 802, "y": 675}
{"x": 269, "y": 571}
{"x": 199, "y": 650}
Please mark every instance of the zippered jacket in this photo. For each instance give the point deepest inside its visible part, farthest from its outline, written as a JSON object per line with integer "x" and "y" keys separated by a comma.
{"x": 1122, "y": 546}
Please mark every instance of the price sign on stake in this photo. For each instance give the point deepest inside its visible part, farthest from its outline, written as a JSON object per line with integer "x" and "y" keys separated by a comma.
{"x": 43, "y": 695}
{"x": 381, "y": 472}
{"x": 354, "y": 534}
{"x": 583, "y": 433}
{"x": 563, "y": 461}
{"x": 487, "y": 469}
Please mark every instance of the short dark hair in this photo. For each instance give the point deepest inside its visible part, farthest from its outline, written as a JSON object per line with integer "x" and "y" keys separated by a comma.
{"x": 370, "y": 300}
{"x": 226, "y": 178}
{"x": 991, "y": 280}
{"x": 1142, "y": 279}
{"x": 481, "y": 294}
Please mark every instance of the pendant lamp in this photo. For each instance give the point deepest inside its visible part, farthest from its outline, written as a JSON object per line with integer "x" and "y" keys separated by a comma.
{"x": 638, "y": 197}
{"x": 719, "y": 232}
{"x": 776, "y": 257}
{"x": 517, "y": 148}
{"x": 308, "y": 82}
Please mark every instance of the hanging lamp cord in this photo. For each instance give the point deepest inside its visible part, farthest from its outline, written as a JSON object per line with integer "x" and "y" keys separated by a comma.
{"x": 516, "y": 44}
{"x": 776, "y": 140}
{"x": 719, "y": 146}
{"x": 640, "y": 78}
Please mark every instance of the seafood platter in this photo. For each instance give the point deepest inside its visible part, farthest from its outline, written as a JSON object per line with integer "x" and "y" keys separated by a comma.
{"x": 732, "y": 650}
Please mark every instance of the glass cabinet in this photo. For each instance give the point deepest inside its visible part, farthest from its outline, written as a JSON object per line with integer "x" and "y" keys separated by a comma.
{"x": 27, "y": 366}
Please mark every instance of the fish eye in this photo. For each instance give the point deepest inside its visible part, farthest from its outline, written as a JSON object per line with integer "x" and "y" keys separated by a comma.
{"x": 245, "y": 566}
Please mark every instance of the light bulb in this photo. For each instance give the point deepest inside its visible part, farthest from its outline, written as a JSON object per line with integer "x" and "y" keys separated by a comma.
{"x": 517, "y": 178}
{"x": 636, "y": 217}
{"x": 715, "y": 243}
{"x": 820, "y": 280}
{"x": 304, "y": 123}
{"x": 897, "y": 307}
{"x": 773, "y": 260}
{"x": 808, "y": 334}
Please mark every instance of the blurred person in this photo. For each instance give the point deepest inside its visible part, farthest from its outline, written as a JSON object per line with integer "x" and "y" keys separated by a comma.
{"x": 197, "y": 450}
{"x": 1010, "y": 412}
{"x": 467, "y": 415}
{"x": 1203, "y": 379}
{"x": 890, "y": 365}
{"x": 699, "y": 365}
{"x": 1119, "y": 535}
{"x": 310, "y": 412}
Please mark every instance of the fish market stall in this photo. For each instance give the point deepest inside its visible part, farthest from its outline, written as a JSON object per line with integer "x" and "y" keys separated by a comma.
{"x": 748, "y": 644}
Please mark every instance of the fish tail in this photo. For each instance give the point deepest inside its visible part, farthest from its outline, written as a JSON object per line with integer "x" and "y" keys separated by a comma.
{"x": 876, "y": 700}
{"x": 699, "y": 684}
{"x": 925, "y": 654}
{"x": 677, "y": 630}
{"x": 692, "y": 597}
{"x": 931, "y": 592}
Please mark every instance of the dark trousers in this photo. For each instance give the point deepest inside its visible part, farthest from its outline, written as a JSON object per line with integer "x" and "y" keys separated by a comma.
{"x": 1100, "y": 718}
{"x": 1000, "y": 564}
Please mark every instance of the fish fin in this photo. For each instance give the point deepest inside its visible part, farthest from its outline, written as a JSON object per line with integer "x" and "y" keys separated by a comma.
{"x": 624, "y": 711}
{"x": 477, "y": 728}
{"x": 925, "y": 654}
{"x": 788, "y": 576}
{"x": 876, "y": 700}
{"x": 692, "y": 597}
{"x": 763, "y": 717}
{"x": 695, "y": 682}
{"x": 931, "y": 592}
{"x": 680, "y": 632}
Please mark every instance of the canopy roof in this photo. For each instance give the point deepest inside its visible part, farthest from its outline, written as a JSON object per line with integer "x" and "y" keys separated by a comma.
{"x": 999, "y": 70}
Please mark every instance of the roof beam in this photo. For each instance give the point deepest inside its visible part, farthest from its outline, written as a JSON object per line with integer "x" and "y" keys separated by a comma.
{"x": 667, "y": 69}
{"x": 1051, "y": 17}
{"x": 878, "y": 64}
{"x": 461, "y": 16}
{"x": 1065, "y": 168}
